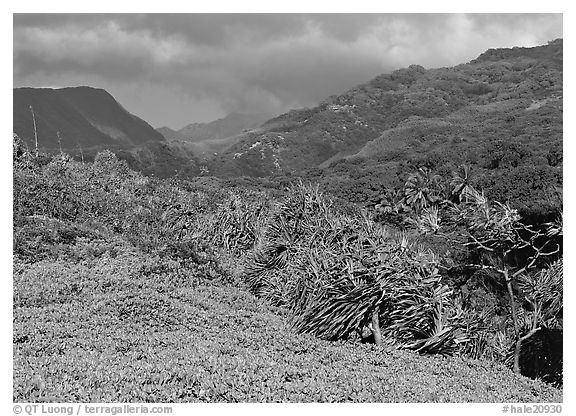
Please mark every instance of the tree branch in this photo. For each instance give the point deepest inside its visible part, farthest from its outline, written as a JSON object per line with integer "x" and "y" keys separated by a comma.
{"x": 519, "y": 347}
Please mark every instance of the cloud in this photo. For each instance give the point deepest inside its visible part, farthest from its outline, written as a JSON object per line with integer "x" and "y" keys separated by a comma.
{"x": 251, "y": 63}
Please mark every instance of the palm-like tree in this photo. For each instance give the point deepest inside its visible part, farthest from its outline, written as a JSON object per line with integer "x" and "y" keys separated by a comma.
{"x": 460, "y": 184}
{"x": 422, "y": 189}
{"x": 543, "y": 292}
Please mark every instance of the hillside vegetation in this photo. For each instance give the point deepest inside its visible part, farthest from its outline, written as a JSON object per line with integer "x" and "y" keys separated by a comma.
{"x": 501, "y": 114}
{"x": 497, "y": 83}
{"x": 171, "y": 290}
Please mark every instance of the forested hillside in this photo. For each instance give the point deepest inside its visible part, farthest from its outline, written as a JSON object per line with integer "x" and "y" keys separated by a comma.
{"x": 501, "y": 114}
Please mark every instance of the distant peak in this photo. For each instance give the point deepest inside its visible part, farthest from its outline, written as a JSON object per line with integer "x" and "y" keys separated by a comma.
{"x": 551, "y": 51}
{"x": 60, "y": 88}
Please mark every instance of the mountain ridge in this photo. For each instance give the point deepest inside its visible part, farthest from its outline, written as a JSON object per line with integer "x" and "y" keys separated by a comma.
{"x": 230, "y": 125}
{"x": 89, "y": 120}
{"x": 82, "y": 116}
{"x": 345, "y": 123}
{"x": 208, "y": 139}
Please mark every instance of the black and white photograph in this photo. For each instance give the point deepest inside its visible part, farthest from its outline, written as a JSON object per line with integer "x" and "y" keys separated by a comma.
{"x": 286, "y": 208}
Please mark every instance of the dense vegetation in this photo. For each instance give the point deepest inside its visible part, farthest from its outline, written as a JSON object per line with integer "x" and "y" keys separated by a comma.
{"x": 501, "y": 114}
{"x": 509, "y": 95}
{"x": 145, "y": 282}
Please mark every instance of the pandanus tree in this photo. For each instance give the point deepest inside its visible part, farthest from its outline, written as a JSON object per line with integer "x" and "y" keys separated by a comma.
{"x": 340, "y": 273}
{"x": 542, "y": 291}
{"x": 460, "y": 185}
{"x": 503, "y": 245}
{"x": 392, "y": 208}
{"x": 422, "y": 189}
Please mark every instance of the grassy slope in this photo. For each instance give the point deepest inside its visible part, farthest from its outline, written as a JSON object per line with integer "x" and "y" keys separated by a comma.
{"x": 123, "y": 328}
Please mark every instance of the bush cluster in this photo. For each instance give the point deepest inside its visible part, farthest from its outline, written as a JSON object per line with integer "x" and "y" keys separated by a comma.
{"x": 335, "y": 271}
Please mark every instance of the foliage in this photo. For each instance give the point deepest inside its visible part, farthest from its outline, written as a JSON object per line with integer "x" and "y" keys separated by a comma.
{"x": 122, "y": 200}
{"x": 543, "y": 292}
{"x": 422, "y": 190}
{"x": 501, "y": 244}
{"x": 334, "y": 271}
{"x": 121, "y": 330}
{"x": 238, "y": 220}
{"x": 460, "y": 184}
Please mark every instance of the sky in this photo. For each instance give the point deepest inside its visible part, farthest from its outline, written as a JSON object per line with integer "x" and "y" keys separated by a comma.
{"x": 175, "y": 69}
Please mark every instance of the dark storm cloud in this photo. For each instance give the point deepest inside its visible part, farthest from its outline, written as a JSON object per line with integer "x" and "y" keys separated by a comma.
{"x": 250, "y": 63}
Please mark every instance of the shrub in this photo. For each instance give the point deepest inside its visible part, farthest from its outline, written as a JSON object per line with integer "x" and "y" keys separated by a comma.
{"x": 238, "y": 221}
{"x": 335, "y": 272}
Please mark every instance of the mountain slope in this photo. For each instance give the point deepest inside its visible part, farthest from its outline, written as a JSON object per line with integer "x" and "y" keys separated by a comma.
{"x": 90, "y": 120}
{"x": 83, "y": 116}
{"x": 231, "y": 125}
{"x": 208, "y": 139}
{"x": 414, "y": 108}
{"x": 170, "y": 134}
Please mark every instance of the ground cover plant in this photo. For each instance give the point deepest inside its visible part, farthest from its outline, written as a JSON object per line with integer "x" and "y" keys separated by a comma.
{"x": 133, "y": 328}
{"x": 129, "y": 288}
